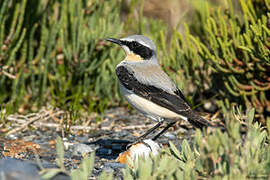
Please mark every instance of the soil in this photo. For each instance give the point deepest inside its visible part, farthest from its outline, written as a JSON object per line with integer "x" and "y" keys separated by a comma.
{"x": 36, "y": 141}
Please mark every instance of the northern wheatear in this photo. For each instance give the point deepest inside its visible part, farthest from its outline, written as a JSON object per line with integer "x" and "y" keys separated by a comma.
{"x": 148, "y": 88}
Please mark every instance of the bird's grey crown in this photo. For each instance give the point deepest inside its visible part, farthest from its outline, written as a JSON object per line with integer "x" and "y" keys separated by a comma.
{"x": 142, "y": 40}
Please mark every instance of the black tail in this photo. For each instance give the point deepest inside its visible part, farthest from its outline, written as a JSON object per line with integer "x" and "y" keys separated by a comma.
{"x": 199, "y": 122}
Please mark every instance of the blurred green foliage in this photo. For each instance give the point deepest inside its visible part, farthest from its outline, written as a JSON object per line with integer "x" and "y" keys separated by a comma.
{"x": 53, "y": 51}
{"x": 217, "y": 155}
{"x": 230, "y": 58}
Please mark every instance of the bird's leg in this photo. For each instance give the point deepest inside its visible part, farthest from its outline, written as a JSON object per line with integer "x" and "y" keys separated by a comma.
{"x": 163, "y": 130}
{"x": 150, "y": 130}
{"x": 139, "y": 139}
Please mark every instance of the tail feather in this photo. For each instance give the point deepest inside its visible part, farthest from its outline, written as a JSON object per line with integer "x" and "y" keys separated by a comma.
{"x": 199, "y": 122}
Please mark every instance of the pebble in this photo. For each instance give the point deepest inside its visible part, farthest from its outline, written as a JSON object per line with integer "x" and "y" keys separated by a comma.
{"x": 82, "y": 138}
{"x": 123, "y": 133}
{"x": 68, "y": 144}
{"x": 114, "y": 165}
{"x": 12, "y": 137}
{"x": 29, "y": 138}
{"x": 170, "y": 135}
{"x": 80, "y": 149}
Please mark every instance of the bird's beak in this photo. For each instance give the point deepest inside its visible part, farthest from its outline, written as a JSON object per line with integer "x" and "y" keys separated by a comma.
{"x": 116, "y": 41}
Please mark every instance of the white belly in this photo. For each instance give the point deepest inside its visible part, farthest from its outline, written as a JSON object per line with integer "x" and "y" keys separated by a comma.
{"x": 149, "y": 108}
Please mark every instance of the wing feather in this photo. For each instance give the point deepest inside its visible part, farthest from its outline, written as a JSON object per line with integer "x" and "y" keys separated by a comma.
{"x": 175, "y": 102}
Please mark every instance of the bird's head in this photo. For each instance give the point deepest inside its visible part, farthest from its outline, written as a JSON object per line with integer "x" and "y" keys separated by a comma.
{"x": 137, "y": 48}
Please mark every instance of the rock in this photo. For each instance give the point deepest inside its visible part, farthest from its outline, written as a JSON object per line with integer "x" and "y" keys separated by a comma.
{"x": 29, "y": 138}
{"x": 114, "y": 165}
{"x": 81, "y": 149}
{"x": 138, "y": 150}
{"x": 12, "y": 137}
{"x": 82, "y": 138}
{"x": 170, "y": 135}
{"x": 15, "y": 169}
{"x": 67, "y": 145}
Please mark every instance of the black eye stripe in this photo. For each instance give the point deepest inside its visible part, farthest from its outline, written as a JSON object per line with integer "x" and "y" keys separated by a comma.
{"x": 131, "y": 44}
{"x": 135, "y": 44}
{"x": 144, "y": 51}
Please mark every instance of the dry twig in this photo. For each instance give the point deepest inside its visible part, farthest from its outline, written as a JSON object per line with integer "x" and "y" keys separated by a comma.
{"x": 25, "y": 121}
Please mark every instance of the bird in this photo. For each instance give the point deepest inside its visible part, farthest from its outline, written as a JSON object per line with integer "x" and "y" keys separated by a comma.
{"x": 149, "y": 89}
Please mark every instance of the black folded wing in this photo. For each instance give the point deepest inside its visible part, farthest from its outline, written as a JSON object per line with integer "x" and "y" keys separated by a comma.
{"x": 175, "y": 102}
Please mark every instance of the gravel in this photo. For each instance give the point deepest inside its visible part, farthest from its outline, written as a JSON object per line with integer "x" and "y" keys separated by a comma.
{"x": 21, "y": 149}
